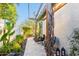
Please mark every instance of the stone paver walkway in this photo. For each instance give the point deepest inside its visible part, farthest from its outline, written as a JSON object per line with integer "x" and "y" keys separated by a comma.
{"x": 33, "y": 48}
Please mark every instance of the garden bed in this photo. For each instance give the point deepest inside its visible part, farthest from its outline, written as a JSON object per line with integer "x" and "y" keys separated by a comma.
{"x": 21, "y": 53}
{"x": 14, "y": 48}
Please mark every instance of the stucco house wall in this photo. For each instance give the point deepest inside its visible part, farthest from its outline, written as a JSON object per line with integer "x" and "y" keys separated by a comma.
{"x": 66, "y": 20}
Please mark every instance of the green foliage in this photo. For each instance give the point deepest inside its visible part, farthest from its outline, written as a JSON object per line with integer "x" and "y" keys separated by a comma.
{"x": 8, "y": 11}
{"x": 40, "y": 28}
{"x": 5, "y": 49}
{"x": 4, "y": 38}
{"x": 11, "y": 47}
{"x": 9, "y": 27}
{"x": 28, "y": 28}
{"x": 14, "y": 46}
{"x": 27, "y": 31}
{"x": 11, "y": 33}
{"x": 74, "y": 43}
{"x": 19, "y": 39}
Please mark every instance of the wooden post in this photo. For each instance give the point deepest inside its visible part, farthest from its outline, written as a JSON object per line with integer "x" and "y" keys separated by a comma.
{"x": 35, "y": 29}
{"x": 49, "y": 29}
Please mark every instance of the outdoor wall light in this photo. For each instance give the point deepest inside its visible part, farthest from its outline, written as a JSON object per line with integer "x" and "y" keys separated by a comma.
{"x": 63, "y": 51}
{"x": 57, "y": 52}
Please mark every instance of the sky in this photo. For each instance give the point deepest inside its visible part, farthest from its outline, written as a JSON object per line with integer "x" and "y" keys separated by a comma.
{"x": 22, "y": 11}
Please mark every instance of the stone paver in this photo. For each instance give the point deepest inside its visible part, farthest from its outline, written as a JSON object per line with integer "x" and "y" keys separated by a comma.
{"x": 33, "y": 48}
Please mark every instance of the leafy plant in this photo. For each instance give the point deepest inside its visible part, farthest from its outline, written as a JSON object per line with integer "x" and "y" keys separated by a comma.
{"x": 16, "y": 44}
{"x": 19, "y": 39}
{"x": 6, "y": 36}
{"x": 74, "y": 43}
{"x": 8, "y": 11}
{"x": 5, "y": 49}
{"x": 16, "y": 47}
{"x": 9, "y": 27}
{"x": 11, "y": 47}
{"x": 40, "y": 28}
{"x": 28, "y": 28}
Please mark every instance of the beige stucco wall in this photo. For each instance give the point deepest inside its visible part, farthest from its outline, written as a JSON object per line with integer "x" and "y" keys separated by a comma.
{"x": 66, "y": 19}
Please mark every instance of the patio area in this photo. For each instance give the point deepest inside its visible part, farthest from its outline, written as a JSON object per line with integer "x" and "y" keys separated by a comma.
{"x": 33, "y": 48}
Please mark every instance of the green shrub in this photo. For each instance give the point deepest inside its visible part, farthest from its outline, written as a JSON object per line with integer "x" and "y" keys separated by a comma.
{"x": 19, "y": 39}
{"x": 5, "y": 49}
{"x": 74, "y": 43}
{"x": 11, "y": 47}
{"x": 16, "y": 47}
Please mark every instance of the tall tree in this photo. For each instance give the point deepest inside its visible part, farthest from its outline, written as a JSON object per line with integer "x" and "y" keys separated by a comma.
{"x": 8, "y": 11}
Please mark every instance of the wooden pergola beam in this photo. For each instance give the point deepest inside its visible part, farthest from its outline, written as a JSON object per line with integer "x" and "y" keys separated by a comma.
{"x": 58, "y": 6}
{"x": 55, "y": 8}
